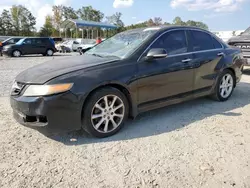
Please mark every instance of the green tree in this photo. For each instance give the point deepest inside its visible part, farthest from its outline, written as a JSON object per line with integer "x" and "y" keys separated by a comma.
{"x": 47, "y": 29}
{"x": 201, "y": 25}
{"x": 6, "y": 27}
{"x": 90, "y": 14}
{"x": 69, "y": 13}
{"x": 57, "y": 18}
{"x": 177, "y": 21}
{"x": 28, "y": 22}
{"x": 116, "y": 19}
{"x": 22, "y": 20}
{"x": 158, "y": 21}
{"x": 15, "y": 14}
{"x": 150, "y": 23}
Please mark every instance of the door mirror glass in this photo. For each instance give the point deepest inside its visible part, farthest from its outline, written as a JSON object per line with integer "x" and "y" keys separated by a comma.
{"x": 156, "y": 53}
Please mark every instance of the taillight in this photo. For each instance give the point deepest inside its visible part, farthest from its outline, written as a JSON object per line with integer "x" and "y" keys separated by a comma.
{"x": 1, "y": 44}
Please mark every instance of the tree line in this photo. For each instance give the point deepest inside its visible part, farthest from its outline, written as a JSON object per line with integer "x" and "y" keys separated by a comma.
{"x": 19, "y": 21}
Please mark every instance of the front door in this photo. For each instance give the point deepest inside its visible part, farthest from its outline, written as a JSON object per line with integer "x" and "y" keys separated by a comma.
{"x": 27, "y": 47}
{"x": 167, "y": 78}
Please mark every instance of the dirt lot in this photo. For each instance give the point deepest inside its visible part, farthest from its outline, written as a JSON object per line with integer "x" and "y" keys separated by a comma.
{"x": 200, "y": 143}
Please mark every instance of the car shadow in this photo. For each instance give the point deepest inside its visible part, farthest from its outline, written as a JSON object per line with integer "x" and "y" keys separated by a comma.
{"x": 166, "y": 119}
{"x": 246, "y": 71}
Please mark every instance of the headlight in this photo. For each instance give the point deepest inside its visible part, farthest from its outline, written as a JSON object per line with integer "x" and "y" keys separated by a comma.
{"x": 42, "y": 90}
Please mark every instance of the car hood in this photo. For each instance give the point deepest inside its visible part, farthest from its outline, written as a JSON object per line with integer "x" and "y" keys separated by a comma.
{"x": 240, "y": 38}
{"x": 8, "y": 45}
{"x": 44, "y": 72}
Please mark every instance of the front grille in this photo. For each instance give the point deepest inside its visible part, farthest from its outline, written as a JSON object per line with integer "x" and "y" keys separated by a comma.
{"x": 16, "y": 88}
{"x": 244, "y": 46}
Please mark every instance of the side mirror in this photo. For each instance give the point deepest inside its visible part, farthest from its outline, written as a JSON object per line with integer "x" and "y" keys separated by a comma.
{"x": 156, "y": 53}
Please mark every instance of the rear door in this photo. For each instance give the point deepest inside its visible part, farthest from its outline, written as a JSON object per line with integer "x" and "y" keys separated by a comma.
{"x": 207, "y": 54}
{"x": 39, "y": 45}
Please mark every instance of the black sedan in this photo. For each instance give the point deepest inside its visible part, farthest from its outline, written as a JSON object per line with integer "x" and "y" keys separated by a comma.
{"x": 129, "y": 73}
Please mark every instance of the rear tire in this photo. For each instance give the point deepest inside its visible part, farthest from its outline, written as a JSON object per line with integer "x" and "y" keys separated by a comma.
{"x": 16, "y": 53}
{"x": 105, "y": 112}
{"x": 225, "y": 86}
{"x": 49, "y": 52}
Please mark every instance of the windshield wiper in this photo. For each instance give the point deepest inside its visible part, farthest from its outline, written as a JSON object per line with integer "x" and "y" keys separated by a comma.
{"x": 97, "y": 55}
{"x": 107, "y": 55}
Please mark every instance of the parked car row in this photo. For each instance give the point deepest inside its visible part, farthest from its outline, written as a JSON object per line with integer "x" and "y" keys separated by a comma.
{"x": 74, "y": 45}
{"x": 17, "y": 47}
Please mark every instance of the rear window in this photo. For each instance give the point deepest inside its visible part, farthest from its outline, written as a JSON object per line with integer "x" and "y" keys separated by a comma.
{"x": 201, "y": 41}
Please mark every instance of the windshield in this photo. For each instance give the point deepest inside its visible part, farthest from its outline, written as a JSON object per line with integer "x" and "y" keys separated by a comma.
{"x": 122, "y": 44}
{"x": 247, "y": 32}
{"x": 20, "y": 41}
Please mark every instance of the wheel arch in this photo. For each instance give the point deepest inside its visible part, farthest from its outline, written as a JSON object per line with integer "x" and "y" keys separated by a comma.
{"x": 16, "y": 50}
{"x": 121, "y": 88}
{"x": 233, "y": 71}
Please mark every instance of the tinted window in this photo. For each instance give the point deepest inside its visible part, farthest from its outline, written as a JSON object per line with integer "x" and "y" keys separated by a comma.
{"x": 11, "y": 41}
{"x": 27, "y": 41}
{"x": 201, "y": 41}
{"x": 75, "y": 42}
{"x": 174, "y": 42}
{"x": 216, "y": 43}
{"x": 36, "y": 41}
{"x": 16, "y": 40}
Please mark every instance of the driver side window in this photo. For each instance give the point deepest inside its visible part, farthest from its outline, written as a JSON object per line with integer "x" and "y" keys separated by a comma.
{"x": 174, "y": 42}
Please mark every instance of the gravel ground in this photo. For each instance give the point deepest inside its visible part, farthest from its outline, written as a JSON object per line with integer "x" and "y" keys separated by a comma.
{"x": 200, "y": 143}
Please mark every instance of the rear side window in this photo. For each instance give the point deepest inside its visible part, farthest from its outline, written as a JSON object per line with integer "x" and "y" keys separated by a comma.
{"x": 75, "y": 42}
{"x": 174, "y": 42}
{"x": 201, "y": 41}
{"x": 37, "y": 41}
{"x": 216, "y": 43}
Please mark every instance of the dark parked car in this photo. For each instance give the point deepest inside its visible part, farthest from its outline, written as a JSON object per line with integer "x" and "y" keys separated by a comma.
{"x": 8, "y": 41}
{"x": 25, "y": 46}
{"x": 243, "y": 42}
{"x": 129, "y": 73}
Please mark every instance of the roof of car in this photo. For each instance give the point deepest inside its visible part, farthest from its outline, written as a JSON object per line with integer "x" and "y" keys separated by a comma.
{"x": 163, "y": 27}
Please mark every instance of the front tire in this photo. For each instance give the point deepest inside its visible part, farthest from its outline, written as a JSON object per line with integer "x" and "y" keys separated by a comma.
{"x": 225, "y": 86}
{"x": 16, "y": 53}
{"x": 105, "y": 112}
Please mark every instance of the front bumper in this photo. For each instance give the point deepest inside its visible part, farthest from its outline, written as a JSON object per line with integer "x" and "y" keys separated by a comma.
{"x": 7, "y": 52}
{"x": 61, "y": 112}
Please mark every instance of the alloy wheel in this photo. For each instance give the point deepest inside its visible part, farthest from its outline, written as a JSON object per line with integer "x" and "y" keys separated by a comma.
{"x": 16, "y": 53}
{"x": 226, "y": 85}
{"x": 49, "y": 52}
{"x": 107, "y": 113}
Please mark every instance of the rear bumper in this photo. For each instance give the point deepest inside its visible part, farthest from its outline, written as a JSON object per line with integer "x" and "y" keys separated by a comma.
{"x": 58, "y": 113}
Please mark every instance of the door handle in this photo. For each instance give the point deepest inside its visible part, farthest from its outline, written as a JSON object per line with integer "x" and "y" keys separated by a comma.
{"x": 186, "y": 60}
{"x": 221, "y": 54}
